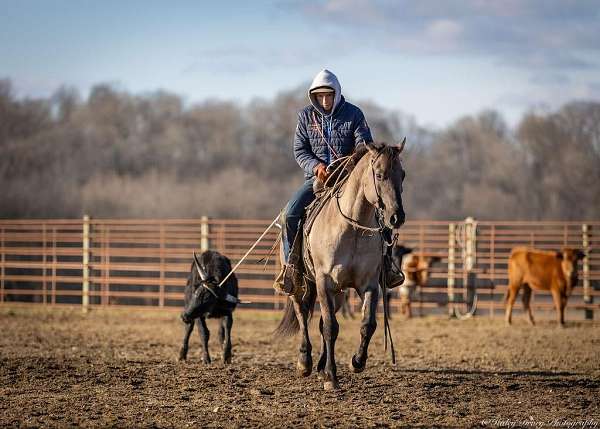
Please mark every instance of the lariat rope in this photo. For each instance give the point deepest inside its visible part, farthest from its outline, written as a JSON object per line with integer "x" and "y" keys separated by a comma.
{"x": 316, "y": 125}
{"x": 249, "y": 250}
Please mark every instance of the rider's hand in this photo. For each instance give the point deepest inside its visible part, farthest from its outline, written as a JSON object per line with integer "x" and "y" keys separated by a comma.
{"x": 321, "y": 172}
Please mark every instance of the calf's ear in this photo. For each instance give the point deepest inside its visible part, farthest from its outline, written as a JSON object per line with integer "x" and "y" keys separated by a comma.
{"x": 580, "y": 254}
{"x": 559, "y": 255}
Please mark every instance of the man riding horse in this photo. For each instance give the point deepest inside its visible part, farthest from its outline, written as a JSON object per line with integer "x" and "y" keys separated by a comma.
{"x": 328, "y": 129}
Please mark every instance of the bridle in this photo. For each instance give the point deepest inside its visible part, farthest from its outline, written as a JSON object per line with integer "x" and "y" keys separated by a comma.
{"x": 379, "y": 204}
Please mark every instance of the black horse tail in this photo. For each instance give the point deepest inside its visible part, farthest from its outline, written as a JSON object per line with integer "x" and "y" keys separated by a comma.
{"x": 289, "y": 324}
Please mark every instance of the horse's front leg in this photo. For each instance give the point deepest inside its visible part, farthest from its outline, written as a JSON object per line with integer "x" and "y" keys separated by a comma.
{"x": 330, "y": 331}
{"x": 305, "y": 362}
{"x": 368, "y": 326}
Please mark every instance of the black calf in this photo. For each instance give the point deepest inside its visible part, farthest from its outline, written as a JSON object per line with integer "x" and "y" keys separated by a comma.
{"x": 203, "y": 298}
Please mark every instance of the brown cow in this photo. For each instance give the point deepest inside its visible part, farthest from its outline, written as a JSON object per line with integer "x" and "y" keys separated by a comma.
{"x": 416, "y": 272}
{"x": 542, "y": 270}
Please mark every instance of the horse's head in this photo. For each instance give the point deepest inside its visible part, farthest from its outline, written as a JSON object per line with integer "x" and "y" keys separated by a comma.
{"x": 383, "y": 182}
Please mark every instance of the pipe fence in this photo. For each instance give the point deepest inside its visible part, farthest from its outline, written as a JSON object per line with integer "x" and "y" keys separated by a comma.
{"x": 145, "y": 262}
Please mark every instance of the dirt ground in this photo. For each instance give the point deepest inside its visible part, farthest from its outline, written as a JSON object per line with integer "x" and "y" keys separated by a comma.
{"x": 118, "y": 368}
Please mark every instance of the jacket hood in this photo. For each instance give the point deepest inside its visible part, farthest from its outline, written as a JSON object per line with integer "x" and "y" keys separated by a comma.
{"x": 325, "y": 78}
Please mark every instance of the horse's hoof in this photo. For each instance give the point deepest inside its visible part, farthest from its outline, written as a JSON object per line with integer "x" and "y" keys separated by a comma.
{"x": 331, "y": 385}
{"x": 321, "y": 375}
{"x": 227, "y": 360}
{"x": 303, "y": 370}
{"x": 355, "y": 366}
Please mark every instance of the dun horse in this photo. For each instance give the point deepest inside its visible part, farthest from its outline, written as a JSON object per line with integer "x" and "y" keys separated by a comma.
{"x": 345, "y": 247}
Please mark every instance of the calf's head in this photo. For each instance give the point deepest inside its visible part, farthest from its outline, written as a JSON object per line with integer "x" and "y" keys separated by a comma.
{"x": 568, "y": 262}
{"x": 204, "y": 293}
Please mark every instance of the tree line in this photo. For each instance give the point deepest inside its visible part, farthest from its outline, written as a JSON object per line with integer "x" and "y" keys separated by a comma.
{"x": 117, "y": 154}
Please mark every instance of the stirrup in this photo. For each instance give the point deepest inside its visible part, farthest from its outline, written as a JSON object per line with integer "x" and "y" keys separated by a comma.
{"x": 394, "y": 275}
{"x": 394, "y": 279}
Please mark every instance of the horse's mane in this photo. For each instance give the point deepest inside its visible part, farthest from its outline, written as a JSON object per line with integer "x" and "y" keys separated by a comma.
{"x": 361, "y": 150}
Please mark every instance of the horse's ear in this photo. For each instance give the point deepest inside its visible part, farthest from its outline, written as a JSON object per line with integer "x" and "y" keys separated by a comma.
{"x": 400, "y": 147}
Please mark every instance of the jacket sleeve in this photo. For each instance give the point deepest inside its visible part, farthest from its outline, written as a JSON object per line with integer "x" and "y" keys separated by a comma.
{"x": 362, "y": 132}
{"x": 303, "y": 153}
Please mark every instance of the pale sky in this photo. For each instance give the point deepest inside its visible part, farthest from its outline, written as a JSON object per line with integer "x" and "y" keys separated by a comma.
{"x": 434, "y": 60}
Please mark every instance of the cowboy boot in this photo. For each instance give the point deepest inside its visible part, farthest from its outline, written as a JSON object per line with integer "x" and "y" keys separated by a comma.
{"x": 284, "y": 282}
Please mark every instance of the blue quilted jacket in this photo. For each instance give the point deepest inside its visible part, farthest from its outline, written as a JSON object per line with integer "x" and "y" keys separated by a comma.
{"x": 343, "y": 129}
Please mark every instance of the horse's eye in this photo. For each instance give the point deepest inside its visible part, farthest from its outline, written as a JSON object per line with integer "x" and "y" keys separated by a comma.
{"x": 379, "y": 176}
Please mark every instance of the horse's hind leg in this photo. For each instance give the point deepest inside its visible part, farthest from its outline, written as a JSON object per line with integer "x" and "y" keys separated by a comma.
{"x": 369, "y": 324}
{"x": 323, "y": 354}
{"x": 304, "y": 364}
{"x": 330, "y": 331}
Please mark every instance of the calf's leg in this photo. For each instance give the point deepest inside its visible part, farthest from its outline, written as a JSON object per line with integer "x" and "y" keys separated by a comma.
{"x": 204, "y": 337}
{"x": 563, "y": 305}
{"x": 188, "y": 328}
{"x": 556, "y": 297}
{"x": 512, "y": 291}
{"x": 226, "y": 324}
{"x": 527, "y": 302}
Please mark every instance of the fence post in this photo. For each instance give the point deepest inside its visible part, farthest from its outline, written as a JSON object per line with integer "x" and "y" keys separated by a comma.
{"x": 587, "y": 297}
{"x": 161, "y": 287}
{"x": 204, "y": 231}
{"x": 451, "y": 244}
{"x": 54, "y": 264}
{"x": 85, "y": 288}
{"x": 470, "y": 259}
{"x": 493, "y": 268}
{"x": 2, "y": 267}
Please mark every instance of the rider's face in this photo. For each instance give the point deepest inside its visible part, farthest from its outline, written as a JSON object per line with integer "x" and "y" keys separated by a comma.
{"x": 325, "y": 100}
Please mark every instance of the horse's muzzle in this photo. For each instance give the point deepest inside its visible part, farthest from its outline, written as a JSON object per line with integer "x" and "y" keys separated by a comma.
{"x": 397, "y": 220}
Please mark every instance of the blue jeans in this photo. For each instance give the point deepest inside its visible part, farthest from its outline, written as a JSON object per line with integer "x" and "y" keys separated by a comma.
{"x": 293, "y": 213}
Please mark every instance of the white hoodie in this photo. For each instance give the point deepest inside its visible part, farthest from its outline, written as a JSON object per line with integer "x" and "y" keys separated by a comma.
{"x": 325, "y": 78}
